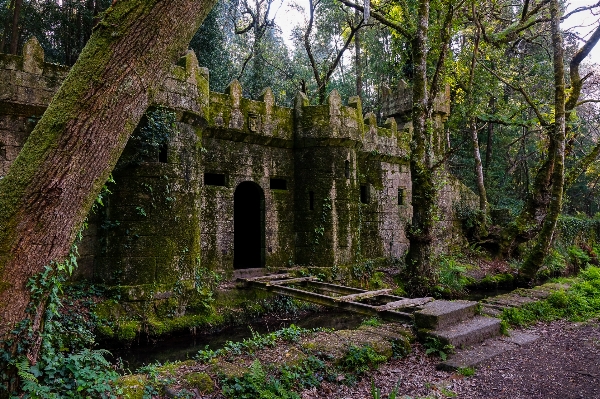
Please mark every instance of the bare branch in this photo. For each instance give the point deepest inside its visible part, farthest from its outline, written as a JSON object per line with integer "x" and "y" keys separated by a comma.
{"x": 580, "y": 9}
{"x": 381, "y": 18}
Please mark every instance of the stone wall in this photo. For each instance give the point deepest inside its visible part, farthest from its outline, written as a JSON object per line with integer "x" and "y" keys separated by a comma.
{"x": 310, "y": 185}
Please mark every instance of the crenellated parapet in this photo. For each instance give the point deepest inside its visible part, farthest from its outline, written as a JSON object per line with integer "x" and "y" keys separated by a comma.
{"x": 329, "y": 124}
{"x": 28, "y": 82}
{"x": 233, "y": 117}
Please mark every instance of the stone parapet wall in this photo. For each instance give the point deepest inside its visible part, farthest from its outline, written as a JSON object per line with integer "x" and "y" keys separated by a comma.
{"x": 28, "y": 84}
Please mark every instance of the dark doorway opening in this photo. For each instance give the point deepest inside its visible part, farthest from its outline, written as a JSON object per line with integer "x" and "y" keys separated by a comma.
{"x": 248, "y": 226}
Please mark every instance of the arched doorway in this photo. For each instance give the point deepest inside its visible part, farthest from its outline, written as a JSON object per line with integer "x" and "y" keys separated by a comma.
{"x": 248, "y": 226}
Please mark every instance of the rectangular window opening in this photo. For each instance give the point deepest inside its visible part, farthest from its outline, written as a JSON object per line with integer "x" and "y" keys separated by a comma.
{"x": 215, "y": 179}
{"x": 311, "y": 200}
{"x": 364, "y": 194}
{"x": 278, "y": 184}
{"x": 163, "y": 154}
{"x": 401, "y": 196}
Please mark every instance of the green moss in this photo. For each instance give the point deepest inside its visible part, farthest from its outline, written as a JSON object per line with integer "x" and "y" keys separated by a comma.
{"x": 496, "y": 280}
{"x": 200, "y": 381}
{"x": 133, "y": 386}
{"x": 127, "y": 331}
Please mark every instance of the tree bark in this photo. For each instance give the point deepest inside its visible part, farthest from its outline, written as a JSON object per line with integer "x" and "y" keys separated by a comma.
{"x": 483, "y": 202}
{"x": 14, "y": 35}
{"x": 357, "y": 57}
{"x": 419, "y": 264}
{"x": 535, "y": 259}
{"x": 50, "y": 187}
{"x": 6, "y": 27}
{"x": 489, "y": 139}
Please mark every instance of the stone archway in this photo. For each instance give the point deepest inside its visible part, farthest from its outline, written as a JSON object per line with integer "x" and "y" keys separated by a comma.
{"x": 248, "y": 226}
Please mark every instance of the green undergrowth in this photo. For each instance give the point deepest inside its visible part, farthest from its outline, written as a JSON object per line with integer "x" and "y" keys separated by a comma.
{"x": 67, "y": 364}
{"x": 247, "y": 369}
{"x": 580, "y": 302}
{"x": 452, "y": 278}
{"x": 256, "y": 342}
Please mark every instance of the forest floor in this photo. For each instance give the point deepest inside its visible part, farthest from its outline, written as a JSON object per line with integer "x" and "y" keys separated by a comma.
{"x": 563, "y": 364}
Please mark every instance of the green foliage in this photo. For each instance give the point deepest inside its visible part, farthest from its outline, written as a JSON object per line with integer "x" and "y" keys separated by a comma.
{"x": 155, "y": 381}
{"x": 572, "y": 228}
{"x": 578, "y": 257}
{"x": 66, "y": 367}
{"x": 580, "y": 302}
{"x": 150, "y": 138}
{"x": 400, "y": 348}
{"x": 256, "y": 342}
{"x": 256, "y": 385}
{"x": 373, "y": 322}
{"x": 554, "y": 265}
{"x": 451, "y": 278}
{"x": 504, "y": 328}
{"x": 309, "y": 373}
{"x": 376, "y": 392}
{"x": 466, "y": 371}
{"x": 363, "y": 271}
{"x": 436, "y": 347}
{"x": 75, "y": 375}
{"x": 360, "y": 359}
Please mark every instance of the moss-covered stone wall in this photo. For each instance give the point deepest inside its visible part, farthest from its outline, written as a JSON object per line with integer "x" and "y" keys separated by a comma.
{"x": 335, "y": 187}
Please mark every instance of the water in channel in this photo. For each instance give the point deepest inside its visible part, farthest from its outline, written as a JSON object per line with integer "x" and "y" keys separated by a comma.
{"x": 183, "y": 347}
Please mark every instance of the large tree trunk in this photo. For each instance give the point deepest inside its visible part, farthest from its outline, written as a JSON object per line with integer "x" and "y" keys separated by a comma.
{"x": 15, "y": 33}
{"x": 357, "y": 57}
{"x": 481, "y": 230}
{"x": 527, "y": 224}
{"x": 537, "y": 207}
{"x": 536, "y": 257}
{"x": 419, "y": 257}
{"x": 6, "y": 27}
{"x": 50, "y": 187}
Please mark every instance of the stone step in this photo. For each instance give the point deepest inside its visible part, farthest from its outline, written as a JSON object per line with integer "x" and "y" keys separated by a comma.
{"x": 468, "y": 332}
{"x": 438, "y": 315}
{"x": 510, "y": 300}
{"x": 472, "y": 357}
{"x": 487, "y": 310}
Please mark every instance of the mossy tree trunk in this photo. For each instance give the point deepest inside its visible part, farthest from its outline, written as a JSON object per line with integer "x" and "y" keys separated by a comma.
{"x": 50, "y": 187}
{"x": 421, "y": 271}
{"x": 536, "y": 257}
{"x": 563, "y": 107}
{"x": 540, "y": 205}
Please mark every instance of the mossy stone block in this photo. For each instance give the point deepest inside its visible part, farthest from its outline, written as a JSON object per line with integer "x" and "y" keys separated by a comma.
{"x": 200, "y": 381}
{"x": 132, "y": 386}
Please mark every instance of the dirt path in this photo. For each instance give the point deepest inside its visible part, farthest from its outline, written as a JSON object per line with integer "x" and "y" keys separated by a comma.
{"x": 563, "y": 364}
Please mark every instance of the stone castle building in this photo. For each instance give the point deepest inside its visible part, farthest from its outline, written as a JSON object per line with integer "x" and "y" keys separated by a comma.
{"x": 240, "y": 183}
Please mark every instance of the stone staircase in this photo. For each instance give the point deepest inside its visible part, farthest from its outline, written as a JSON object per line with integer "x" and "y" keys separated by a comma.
{"x": 475, "y": 337}
{"x": 455, "y": 323}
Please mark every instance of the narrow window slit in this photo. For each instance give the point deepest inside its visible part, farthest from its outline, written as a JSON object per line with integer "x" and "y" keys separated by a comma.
{"x": 364, "y": 194}
{"x": 215, "y": 179}
{"x": 278, "y": 184}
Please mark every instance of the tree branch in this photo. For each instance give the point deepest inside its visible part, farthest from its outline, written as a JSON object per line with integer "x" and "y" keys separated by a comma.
{"x": 381, "y": 18}
{"x": 535, "y": 109}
